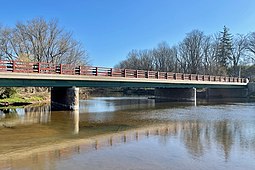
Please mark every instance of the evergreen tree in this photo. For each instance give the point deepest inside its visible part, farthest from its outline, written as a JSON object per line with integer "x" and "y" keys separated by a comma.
{"x": 224, "y": 51}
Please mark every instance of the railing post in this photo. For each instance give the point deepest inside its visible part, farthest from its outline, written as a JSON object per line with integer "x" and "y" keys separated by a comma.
{"x": 96, "y": 71}
{"x": 137, "y": 74}
{"x": 60, "y": 67}
{"x": 158, "y": 75}
{"x": 38, "y": 67}
{"x": 174, "y": 76}
{"x": 79, "y": 70}
{"x": 148, "y": 74}
{"x": 111, "y": 72}
{"x": 124, "y": 72}
{"x": 166, "y": 76}
{"x": 13, "y": 66}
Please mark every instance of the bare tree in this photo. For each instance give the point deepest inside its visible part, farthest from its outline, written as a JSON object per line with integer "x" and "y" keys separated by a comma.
{"x": 164, "y": 57}
{"x": 190, "y": 50}
{"x": 6, "y": 44}
{"x": 1, "y": 44}
{"x": 209, "y": 52}
{"x": 238, "y": 52}
{"x": 132, "y": 61}
{"x": 41, "y": 41}
{"x": 251, "y": 44}
{"x": 161, "y": 58}
{"x": 146, "y": 60}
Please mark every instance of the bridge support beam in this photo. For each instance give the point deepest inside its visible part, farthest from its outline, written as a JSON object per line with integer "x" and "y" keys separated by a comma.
{"x": 223, "y": 93}
{"x": 176, "y": 94}
{"x": 65, "y": 98}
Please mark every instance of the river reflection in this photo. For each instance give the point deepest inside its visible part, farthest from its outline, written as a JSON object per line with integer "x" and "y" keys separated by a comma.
{"x": 11, "y": 117}
{"x": 108, "y": 134}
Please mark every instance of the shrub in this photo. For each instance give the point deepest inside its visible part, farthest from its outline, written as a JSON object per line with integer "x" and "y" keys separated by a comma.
{"x": 7, "y": 92}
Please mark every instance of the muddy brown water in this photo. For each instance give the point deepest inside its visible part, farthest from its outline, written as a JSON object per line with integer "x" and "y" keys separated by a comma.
{"x": 129, "y": 133}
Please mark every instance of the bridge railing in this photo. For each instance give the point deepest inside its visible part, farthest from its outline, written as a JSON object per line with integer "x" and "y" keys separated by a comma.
{"x": 67, "y": 69}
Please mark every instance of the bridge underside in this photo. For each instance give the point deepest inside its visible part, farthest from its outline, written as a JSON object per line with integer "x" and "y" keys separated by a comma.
{"x": 65, "y": 92}
{"x": 67, "y": 98}
{"x": 88, "y": 83}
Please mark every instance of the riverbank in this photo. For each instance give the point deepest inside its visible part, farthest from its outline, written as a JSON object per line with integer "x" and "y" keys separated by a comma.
{"x": 25, "y": 98}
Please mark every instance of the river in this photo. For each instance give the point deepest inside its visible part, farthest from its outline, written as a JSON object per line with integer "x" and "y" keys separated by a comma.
{"x": 111, "y": 133}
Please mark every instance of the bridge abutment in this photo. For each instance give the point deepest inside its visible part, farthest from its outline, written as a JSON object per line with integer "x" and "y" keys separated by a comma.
{"x": 65, "y": 98}
{"x": 176, "y": 94}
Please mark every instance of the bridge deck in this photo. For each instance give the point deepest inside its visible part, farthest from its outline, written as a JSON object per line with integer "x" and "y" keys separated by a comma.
{"x": 56, "y": 80}
{"x": 23, "y": 74}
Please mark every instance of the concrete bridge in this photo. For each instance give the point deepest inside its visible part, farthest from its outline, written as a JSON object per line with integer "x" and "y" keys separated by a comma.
{"x": 65, "y": 81}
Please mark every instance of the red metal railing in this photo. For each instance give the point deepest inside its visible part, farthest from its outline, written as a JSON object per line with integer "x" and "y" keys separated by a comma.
{"x": 50, "y": 68}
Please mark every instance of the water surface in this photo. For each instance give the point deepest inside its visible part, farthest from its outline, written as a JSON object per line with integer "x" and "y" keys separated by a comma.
{"x": 129, "y": 133}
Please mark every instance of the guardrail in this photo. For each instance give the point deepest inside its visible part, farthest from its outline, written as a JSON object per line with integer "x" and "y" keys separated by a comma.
{"x": 67, "y": 69}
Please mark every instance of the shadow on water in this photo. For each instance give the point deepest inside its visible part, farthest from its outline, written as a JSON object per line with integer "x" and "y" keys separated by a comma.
{"x": 223, "y": 128}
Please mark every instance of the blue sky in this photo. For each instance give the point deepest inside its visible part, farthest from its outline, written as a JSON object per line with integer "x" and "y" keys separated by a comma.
{"x": 109, "y": 29}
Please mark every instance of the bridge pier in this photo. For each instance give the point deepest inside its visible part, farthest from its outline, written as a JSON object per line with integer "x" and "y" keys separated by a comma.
{"x": 176, "y": 94}
{"x": 65, "y": 98}
{"x": 251, "y": 89}
{"x": 224, "y": 93}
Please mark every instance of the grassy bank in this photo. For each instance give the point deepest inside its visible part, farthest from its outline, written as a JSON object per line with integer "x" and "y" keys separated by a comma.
{"x": 26, "y": 98}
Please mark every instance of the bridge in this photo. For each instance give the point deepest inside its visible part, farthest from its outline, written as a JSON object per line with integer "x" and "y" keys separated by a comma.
{"x": 66, "y": 79}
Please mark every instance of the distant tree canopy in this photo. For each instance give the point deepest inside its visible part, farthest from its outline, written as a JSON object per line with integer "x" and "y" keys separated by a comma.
{"x": 39, "y": 40}
{"x": 219, "y": 54}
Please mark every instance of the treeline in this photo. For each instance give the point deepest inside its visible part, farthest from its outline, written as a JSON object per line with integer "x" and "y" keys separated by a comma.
{"x": 219, "y": 54}
{"x": 38, "y": 40}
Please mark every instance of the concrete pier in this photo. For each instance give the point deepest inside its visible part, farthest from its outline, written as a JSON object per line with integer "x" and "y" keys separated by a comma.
{"x": 64, "y": 98}
{"x": 223, "y": 93}
{"x": 76, "y": 120}
{"x": 175, "y": 94}
{"x": 251, "y": 89}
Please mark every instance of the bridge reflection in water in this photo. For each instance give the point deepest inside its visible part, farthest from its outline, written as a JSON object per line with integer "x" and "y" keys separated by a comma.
{"x": 193, "y": 129}
{"x": 194, "y": 135}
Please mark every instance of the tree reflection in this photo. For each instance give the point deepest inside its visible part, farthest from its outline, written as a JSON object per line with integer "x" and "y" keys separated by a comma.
{"x": 224, "y": 136}
{"x": 10, "y": 113}
{"x": 199, "y": 136}
{"x": 192, "y": 137}
{"x": 41, "y": 114}
{"x": 25, "y": 116}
